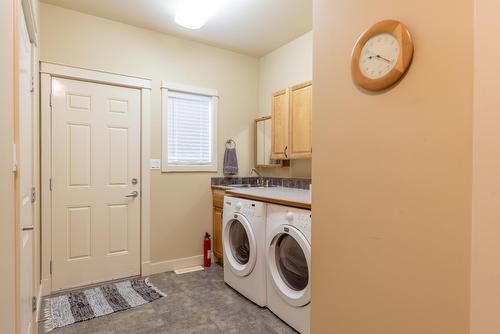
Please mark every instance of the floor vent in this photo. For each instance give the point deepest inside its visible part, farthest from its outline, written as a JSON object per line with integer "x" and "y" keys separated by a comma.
{"x": 188, "y": 270}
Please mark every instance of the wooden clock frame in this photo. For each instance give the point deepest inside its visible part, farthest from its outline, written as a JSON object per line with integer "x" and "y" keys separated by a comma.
{"x": 401, "y": 33}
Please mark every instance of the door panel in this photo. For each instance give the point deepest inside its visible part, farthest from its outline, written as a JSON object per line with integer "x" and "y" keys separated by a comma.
{"x": 26, "y": 172}
{"x": 95, "y": 156}
{"x": 118, "y": 228}
{"x": 289, "y": 264}
{"x": 118, "y": 106}
{"x": 79, "y": 153}
{"x": 292, "y": 263}
{"x": 239, "y": 243}
{"x": 79, "y": 224}
{"x": 118, "y": 157}
{"x": 78, "y": 102}
{"x": 240, "y": 246}
{"x": 217, "y": 226}
{"x": 301, "y": 121}
{"x": 280, "y": 121}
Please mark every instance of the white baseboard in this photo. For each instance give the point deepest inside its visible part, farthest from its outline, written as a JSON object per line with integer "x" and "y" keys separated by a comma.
{"x": 146, "y": 269}
{"x": 171, "y": 265}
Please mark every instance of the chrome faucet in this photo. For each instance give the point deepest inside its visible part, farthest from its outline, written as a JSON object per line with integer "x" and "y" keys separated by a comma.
{"x": 260, "y": 180}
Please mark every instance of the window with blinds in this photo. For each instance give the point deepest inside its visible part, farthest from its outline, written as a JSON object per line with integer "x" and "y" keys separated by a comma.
{"x": 189, "y": 131}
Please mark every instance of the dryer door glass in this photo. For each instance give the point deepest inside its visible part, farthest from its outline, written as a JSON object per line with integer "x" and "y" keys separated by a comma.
{"x": 291, "y": 263}
{"x": 238, "y": 239}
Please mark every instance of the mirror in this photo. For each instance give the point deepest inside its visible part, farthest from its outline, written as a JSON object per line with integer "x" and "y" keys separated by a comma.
{"x": 262, "y": 147}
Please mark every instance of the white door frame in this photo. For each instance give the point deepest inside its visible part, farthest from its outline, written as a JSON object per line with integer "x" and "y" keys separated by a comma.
{"x": 24, "y": 15}
{"x": 47, "y": 72}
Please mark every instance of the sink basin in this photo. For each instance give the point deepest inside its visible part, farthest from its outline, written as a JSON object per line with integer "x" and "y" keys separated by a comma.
{"x": 250, "y": 186}
{"x": 240, "y": 185}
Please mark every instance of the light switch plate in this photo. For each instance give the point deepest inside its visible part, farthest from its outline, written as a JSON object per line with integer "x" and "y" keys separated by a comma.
{"x": 155, "y": 164}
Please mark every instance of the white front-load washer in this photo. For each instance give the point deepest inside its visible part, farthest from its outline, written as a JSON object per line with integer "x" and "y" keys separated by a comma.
{"x": 243, "y": 239}
{"x": 288, "y": 241}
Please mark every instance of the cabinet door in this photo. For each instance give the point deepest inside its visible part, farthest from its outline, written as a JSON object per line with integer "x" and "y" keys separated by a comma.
{"x": 280, "y": 131}
{"x": 217, "y": 227}
{"x": 218, "y": 197}
{"x": 301, "y": 121}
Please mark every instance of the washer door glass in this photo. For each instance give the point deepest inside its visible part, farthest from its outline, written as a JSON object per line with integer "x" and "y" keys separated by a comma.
{"x": 239, "y": 242}
{"x": 291, "y": 263}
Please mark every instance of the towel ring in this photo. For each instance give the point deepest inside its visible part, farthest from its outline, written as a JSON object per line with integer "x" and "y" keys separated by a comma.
{"x": 230, "y": 142}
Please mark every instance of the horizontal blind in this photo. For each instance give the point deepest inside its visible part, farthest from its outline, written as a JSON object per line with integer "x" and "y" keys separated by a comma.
{"x": 189, "y": 140}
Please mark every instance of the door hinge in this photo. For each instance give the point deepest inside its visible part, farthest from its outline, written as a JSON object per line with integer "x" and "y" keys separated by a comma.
{"x": 33, "y": 304}
{"x": 50, "y": 269}
{"x": 50, "y": 184}
{"x": 33, "y": 194}
{"x": 32, "y": 84}
{"x": 50, "y": 100}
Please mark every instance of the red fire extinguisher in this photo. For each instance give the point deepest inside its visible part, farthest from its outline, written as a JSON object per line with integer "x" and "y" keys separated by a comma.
{"x": 207, "y": 245}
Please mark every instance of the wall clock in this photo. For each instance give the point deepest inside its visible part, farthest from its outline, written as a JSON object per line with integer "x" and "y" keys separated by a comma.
{"x": 382, "y": 55}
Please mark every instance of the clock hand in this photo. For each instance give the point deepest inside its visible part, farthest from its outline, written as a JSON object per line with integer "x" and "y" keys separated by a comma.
{"x": 380, "y": 57}
{"x": 387, "y": 60}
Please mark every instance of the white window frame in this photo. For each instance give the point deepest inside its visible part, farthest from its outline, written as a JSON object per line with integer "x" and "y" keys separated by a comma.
{"x": 165, "y": 88}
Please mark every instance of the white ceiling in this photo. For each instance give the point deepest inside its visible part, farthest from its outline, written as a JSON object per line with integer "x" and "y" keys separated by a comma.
{"x": 253, "y": 27}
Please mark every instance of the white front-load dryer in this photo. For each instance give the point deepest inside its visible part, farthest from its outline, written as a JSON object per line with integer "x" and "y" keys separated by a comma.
{"x": 243, "y": 238}
{"x": 288, "y": 241}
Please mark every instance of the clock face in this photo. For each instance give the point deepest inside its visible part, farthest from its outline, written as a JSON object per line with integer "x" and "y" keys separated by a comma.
{"x": 379, "y": 56}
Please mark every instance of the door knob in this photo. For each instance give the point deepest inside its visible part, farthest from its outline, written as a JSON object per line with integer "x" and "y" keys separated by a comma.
{"x": 134, "y": 193}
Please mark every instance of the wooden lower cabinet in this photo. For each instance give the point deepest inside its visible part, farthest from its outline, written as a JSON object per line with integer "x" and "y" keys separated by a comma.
{"x": 217, "y": 221}
{"x": 217, "y": 214}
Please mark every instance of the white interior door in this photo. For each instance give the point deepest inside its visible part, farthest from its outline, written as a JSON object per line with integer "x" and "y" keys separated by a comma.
{"x": 26, "y": 170}
{"x": 95, "y": 182}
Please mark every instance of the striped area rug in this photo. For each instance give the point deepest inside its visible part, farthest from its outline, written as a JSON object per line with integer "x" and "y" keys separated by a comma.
{"x": 95, "y": 302}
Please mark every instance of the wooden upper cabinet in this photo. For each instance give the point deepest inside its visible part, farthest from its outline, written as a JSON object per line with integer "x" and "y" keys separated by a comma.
{"x": 281, "y": 125}
{"x": 301, "y": 121}
{"x": 292, "y": 123}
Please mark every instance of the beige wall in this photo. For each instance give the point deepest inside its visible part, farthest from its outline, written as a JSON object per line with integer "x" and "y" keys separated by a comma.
{"x": 7, "y": 255}
{"x": 289, "y": 65}
{"x": 485, "y": 284}
{"x": 392, "y": 175}
{"x": 181, "y": 203}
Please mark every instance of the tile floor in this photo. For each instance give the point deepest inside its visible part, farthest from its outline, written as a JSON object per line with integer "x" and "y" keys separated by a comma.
{"x": 197, "y": 302}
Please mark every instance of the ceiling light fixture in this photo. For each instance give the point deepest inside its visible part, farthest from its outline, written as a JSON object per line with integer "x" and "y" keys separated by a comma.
{"x": 195, "y": 13}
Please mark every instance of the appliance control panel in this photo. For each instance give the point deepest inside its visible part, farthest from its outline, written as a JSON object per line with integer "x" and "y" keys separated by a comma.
{"x": 303, "y": 219}
{"x": 245, "y": 207}
{"x": 300, "y": 219}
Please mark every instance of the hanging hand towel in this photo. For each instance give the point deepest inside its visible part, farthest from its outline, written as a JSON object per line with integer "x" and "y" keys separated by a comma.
{"x": 230, "y": 161}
